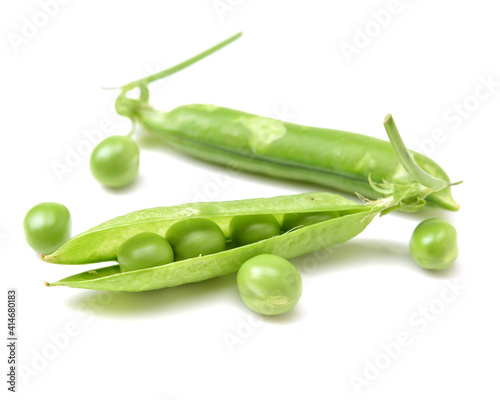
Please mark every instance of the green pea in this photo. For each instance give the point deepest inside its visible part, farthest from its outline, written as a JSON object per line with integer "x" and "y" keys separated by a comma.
{"x": 47, "y": 226}
{"x": 144, "y": 250}
{"x": 295, "y": 220}
{"x": 269, "y": 284}
{"x": 115, "y": 161}
{"x": 433, "y": 244}
{"x": 194, "y": 237}
{"x": 246, "y": 229}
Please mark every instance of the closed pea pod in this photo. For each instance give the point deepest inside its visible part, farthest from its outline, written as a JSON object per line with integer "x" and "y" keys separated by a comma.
{"x": 338, "y": 159}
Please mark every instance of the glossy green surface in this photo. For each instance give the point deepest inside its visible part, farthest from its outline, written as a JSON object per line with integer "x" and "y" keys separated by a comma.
{"x": 292, "y": 221}
{"x": 246, "y": 229}
{"x": 115, "y": 161}
{"x": 144, "y": 250}
{"x": 433, "y": 244}
{"x": 269, "y": 284}
{"x": 47, "y": 226}
{"x": 101, "y": 243}
{"x": 195, "y": 237}
{"x": 346, "y": 161}
{"x": 242, "y": 141}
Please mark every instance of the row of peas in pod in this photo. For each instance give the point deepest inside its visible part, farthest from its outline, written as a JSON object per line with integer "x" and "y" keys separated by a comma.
{"x": 268, "y": 284}
{"x": 196, "y": 237}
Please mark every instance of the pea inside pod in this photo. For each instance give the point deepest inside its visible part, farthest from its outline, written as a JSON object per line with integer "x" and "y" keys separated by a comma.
{"x": 144, "y": 250}
{"x": 293, "y": 221}
{"x": 195, "y": 237}
{"x": 246, "y": 229}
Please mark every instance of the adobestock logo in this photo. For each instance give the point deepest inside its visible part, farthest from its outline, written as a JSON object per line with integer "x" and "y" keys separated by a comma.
{"x": 30, "y": 27}
{"x": 223, "y": 7}
{"x": 418, "y": 321}
{"x": 56, "y": 343}
{"x": 455, "y": 116}
{"x": 82, "y": 150}
{"x": 213, "y": 189}
{"x": 245, "y": 328}
{"x": 309, "y": 263}
{"x": 363, "y": 36}
{"x": 40, "y": 359}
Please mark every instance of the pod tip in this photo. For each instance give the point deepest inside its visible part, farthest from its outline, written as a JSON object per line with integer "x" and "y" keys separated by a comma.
{"x": 47, "y": 257}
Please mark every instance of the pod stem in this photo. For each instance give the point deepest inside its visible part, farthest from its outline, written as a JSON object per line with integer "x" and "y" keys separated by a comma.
{"x": 407, "y": 160}
{"x": 172, "y": 70}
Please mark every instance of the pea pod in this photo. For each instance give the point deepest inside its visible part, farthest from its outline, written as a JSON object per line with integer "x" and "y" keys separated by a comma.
{"x": 101, "y": 243}
{"x": 345, "y": 161}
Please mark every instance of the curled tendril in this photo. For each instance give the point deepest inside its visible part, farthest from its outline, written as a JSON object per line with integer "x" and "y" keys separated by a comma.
{"x": 127, "y": 106}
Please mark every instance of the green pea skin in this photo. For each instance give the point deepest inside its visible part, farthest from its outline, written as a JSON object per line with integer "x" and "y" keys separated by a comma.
{"x": 247, "y": 229}
{"x": 295, "y": 220}
{"x": 269, "y": 284}
{"x": 144, "y": 250}
{"x": 47, "y": 226}
{"x": 433, "y": 244}
{"x": 194, "y": 237}
{"x": 115, "y": 161}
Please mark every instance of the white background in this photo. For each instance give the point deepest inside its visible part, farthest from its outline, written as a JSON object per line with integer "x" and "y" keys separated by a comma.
{"x": 172, "y": 344}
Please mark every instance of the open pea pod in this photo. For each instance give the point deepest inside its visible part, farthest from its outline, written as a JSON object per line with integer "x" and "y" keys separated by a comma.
{"x": 101, "y": 243}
